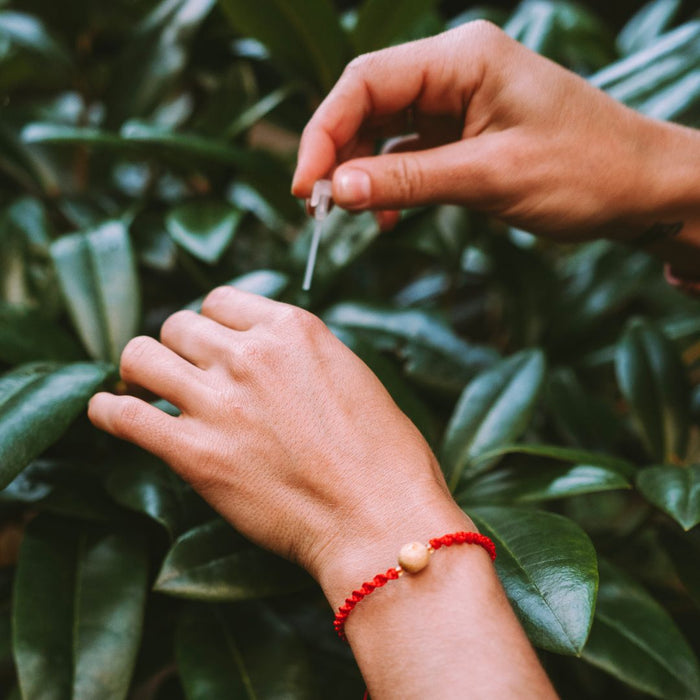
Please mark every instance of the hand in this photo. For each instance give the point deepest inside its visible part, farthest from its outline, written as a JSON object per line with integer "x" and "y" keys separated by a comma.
{"x": 286, "y": 433}
{"x": 498, "y": 128}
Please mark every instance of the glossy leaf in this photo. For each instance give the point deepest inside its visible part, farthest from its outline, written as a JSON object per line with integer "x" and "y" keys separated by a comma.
{"x": 212, "y": 562}
{"x": 263, "y": 171}
{"x": 495, "y": 408}
{"x": 28, "y": 32}
{"x": 37, "y": 404}
{"x": 580, "y": 417}
{"x": 203, "y": 229}
{"x": 68, "y": 488}
{"x": 344, "y": 238}
{"x": 647, "y": 24}
{"x": 155, "y": 56}
{"x": 676, "y": 490}
{"x": 652, "y": 379}
{"x": 98, "y": 278}
{"x": 548, "y": 568}
{"x": 259, "y": 110}
{"x": 302, "y": 35}
{"x": 565, "y": 454}
{"x": 640, "y": 74}
{"x": 563, "y": 31}
{"x": 239, "y": 651}
{"x": 27, "y": 335}
{"x": 433, "y": 355}
{"x": 528, "y": 484}
{"x": 77, "y": 611}
{"x": 381, "y": 23}
{"x": 679, "y": 101}
{"x": 635, "y": 640}
{"x": 684, "y": 550}
{"x": 147, "y": 485}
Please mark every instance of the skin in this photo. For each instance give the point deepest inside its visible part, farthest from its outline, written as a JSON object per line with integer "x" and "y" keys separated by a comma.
{"x": 303, "y": 450}
{"x": 502, "y": 130}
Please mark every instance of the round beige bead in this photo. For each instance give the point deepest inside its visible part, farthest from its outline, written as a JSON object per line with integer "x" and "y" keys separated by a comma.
{"x": 414, "y": 557}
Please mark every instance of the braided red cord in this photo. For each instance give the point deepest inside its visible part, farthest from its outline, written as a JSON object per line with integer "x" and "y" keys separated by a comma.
{"x": 392, "y": 574}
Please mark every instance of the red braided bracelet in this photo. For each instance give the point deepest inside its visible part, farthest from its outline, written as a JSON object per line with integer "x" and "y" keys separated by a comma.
{"x": 413, "y": 558}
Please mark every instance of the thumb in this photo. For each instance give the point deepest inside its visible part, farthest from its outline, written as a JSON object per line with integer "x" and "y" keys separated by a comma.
{"x": 458, "y": 173}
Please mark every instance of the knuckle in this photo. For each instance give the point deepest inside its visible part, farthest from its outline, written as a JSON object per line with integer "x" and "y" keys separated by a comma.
{"x": 128, "y": 417}
{"x": 483, "y": 27}
{"x": 408, "y": 178}
{"x": 135, "y": 351}
{"x": 358, "y": 64}
{"x": 217, "y": 296}
{"x": 174, "y": 321}
{"x": 251, "y": 351}
{"x": 298, "y": 319}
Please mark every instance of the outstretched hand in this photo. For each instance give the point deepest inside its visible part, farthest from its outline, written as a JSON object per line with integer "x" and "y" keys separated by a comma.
{"x": 286, "y": 433}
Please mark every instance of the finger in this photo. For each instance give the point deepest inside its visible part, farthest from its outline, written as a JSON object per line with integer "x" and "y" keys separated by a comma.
{"x": 237, "y": 309}
{"x": 459, "y": 173}
{"x": 387, "y": 219}
{"x": 132, "y": 419}
{"x": 196, "y": 338}
{"x": 381, "y": 83}
{"x": 152, "y": 366}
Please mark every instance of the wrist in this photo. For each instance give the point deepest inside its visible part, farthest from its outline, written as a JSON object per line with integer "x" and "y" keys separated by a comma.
{"x": 371, "y": 541}
{"x": 665, "y": 217}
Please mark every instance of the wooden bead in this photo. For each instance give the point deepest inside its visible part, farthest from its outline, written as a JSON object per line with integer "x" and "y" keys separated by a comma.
{"x": 414, "y": 557}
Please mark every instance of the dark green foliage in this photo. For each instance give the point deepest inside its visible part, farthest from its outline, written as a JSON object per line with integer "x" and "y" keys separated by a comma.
{"x": 146, "y": 151}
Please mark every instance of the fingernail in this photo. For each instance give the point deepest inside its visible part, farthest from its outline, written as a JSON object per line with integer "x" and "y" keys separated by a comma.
{"x": 352, "y": 188}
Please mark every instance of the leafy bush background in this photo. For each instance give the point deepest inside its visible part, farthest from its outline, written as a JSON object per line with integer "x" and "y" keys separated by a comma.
{"x": 146, "y": 150}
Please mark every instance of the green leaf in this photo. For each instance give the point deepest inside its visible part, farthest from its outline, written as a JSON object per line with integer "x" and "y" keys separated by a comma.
{"x": 146, "y": 485}
{"x": 528, "y": 484}
{"x": 565, "y": 454}
{"x": 27, "y": 335}
{"x": 580, "y": 418}
{"x": 495, "y": 408}
{"x": 27, "y": 216}
{"x": 97, "y": 274}
{"x": 344, "y": 238}
{"x": 212, "y": 562}
{"x": 381, "y": 23}
{"x": 679, "y": 101}
{"x": 676, "y": 490}
{"x": 77, "y": 611}
{"x": 640, "y": 75}
{"x": 154, "y": 57}
{"x": 433, "y": 355}
{"x": 647, "y": 25}
{"x": 66, "y": 488}
{"x": 37, "y": 404}
{"x": 239, "y": 651}
{"x": 263, "y": 171}
{"x": 303, "y": 36}
{"x": 634, "y": 639}
{"x": 548, "y": 568}
{"x": 684, "y": 551}
{"x": 203, "y": 229}
{"x": 27, "y": 32}
{"x": 259, "y": 110}
{"x": 566, "y": 32}
{"x": 652, "y": 379}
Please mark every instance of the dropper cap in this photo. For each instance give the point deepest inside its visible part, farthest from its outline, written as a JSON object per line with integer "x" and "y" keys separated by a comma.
{"x": 321, "y": 202}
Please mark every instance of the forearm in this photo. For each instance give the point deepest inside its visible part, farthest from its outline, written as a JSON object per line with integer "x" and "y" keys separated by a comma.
{"x": 446, "y": 632}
